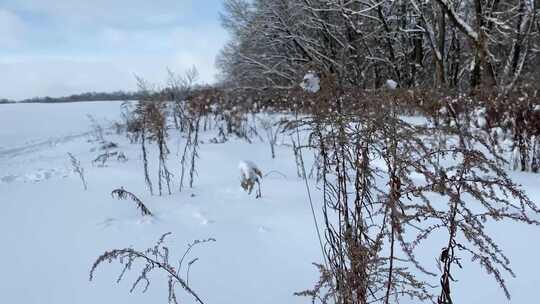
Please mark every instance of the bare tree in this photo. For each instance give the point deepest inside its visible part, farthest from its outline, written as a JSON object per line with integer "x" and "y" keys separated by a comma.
{"x": 462, "y": 45}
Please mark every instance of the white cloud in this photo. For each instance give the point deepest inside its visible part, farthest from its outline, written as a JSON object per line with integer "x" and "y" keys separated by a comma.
{"x": 72, "y": 46}
{"x": 98, "y": 12}
{"x": 12, "y": 29}
{"x": 25, "y": 77}
{"x": 194, "y": 37}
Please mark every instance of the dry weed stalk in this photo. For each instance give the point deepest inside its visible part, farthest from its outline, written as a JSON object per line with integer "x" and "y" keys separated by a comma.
{"x": 97, "y": 129}
{"x": 194, "y": 152}
{"x": 154, "y": 258}
{"x": 297, "y": 158}
{"x": 150, "y": 123}
{"x": 191, "y": 146}
{"x": 158, "y": 128}
{"x": 101, "y": 159}
{"x": 77, "y": 168}
{"x": 143, "y": 131}
{"x": 272, "y": 129}
{"x": 368, "y": 205}
{"x": 183, "y": 160}
{"x": 389, "y": 183}
{"x": 123, "y": 194}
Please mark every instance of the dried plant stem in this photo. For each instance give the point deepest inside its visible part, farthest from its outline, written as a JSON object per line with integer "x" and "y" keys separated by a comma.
{"x": 123, "y": 194}
{"x": 77, "y": 168}
{"x": 156, "y": 257}
{"x": 194, "y": 153}
{"x": 147, "y": 179}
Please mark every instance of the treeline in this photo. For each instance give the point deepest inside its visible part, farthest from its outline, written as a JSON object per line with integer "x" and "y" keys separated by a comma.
{"x": 389, "y": 184}
{"x": 458, "y": 45}
{"x": 101, "y": 96}
{"x": 178, "y": 87}
{"x": 89, "y": 96}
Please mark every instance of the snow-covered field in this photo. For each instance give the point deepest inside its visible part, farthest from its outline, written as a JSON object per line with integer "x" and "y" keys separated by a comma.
{"x": 52, "y": 230}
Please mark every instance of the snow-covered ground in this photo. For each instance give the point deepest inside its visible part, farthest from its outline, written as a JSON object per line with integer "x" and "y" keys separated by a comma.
{"x": 52, "y": 230}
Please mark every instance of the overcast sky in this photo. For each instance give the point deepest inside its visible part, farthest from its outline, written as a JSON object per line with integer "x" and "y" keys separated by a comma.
{"x": 62, "y": 47}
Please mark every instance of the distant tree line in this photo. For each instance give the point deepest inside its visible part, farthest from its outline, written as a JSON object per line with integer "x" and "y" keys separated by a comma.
{"x": 104, "y": 96}
{"x": 89, "y": 96}
{"x": 179, "y": 87}
{"x": 447, "y": 44}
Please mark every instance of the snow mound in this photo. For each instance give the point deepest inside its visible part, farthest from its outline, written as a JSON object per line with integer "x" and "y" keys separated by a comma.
{"x": 391, "y": 84}
{"x": 249, "y": 171}
{"x": 249, "y": 176}
{"x": 311, "y": 82}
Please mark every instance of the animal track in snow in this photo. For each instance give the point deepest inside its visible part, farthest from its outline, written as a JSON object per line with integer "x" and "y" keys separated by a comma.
{"x": 263, "y": 229}
{"x": 38, "y": 145}
{"x": 8, "y": 179}
{"x": 107, "y": 222}
{"x": 202, "y": 217}
{"x": 35, "y": 176}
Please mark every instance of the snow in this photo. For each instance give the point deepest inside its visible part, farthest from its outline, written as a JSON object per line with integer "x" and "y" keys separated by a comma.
{"x": 480, "y": 116}
{"x": 52, "y": 230}
{"x": 25, "y": 126}
{"x": 391, "y": 84}
{"x": 311, "y": 82}
{"x": 248, "y": 170}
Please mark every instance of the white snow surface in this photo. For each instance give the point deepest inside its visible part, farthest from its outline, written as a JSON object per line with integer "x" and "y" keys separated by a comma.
{"x": 53, "y": 230}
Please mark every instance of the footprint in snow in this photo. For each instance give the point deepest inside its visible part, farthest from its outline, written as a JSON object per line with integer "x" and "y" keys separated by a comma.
{"x": 146, "y": 220}
{"x": 111, "y": 222}
{"x": 107, "y": 222}
{"x": 35, "y": 176}
{"x": 40, "y": 175}
{"x": 263, "y": 229}
{"x": 203, "y": 219}
{"x": 8, "y": 179}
